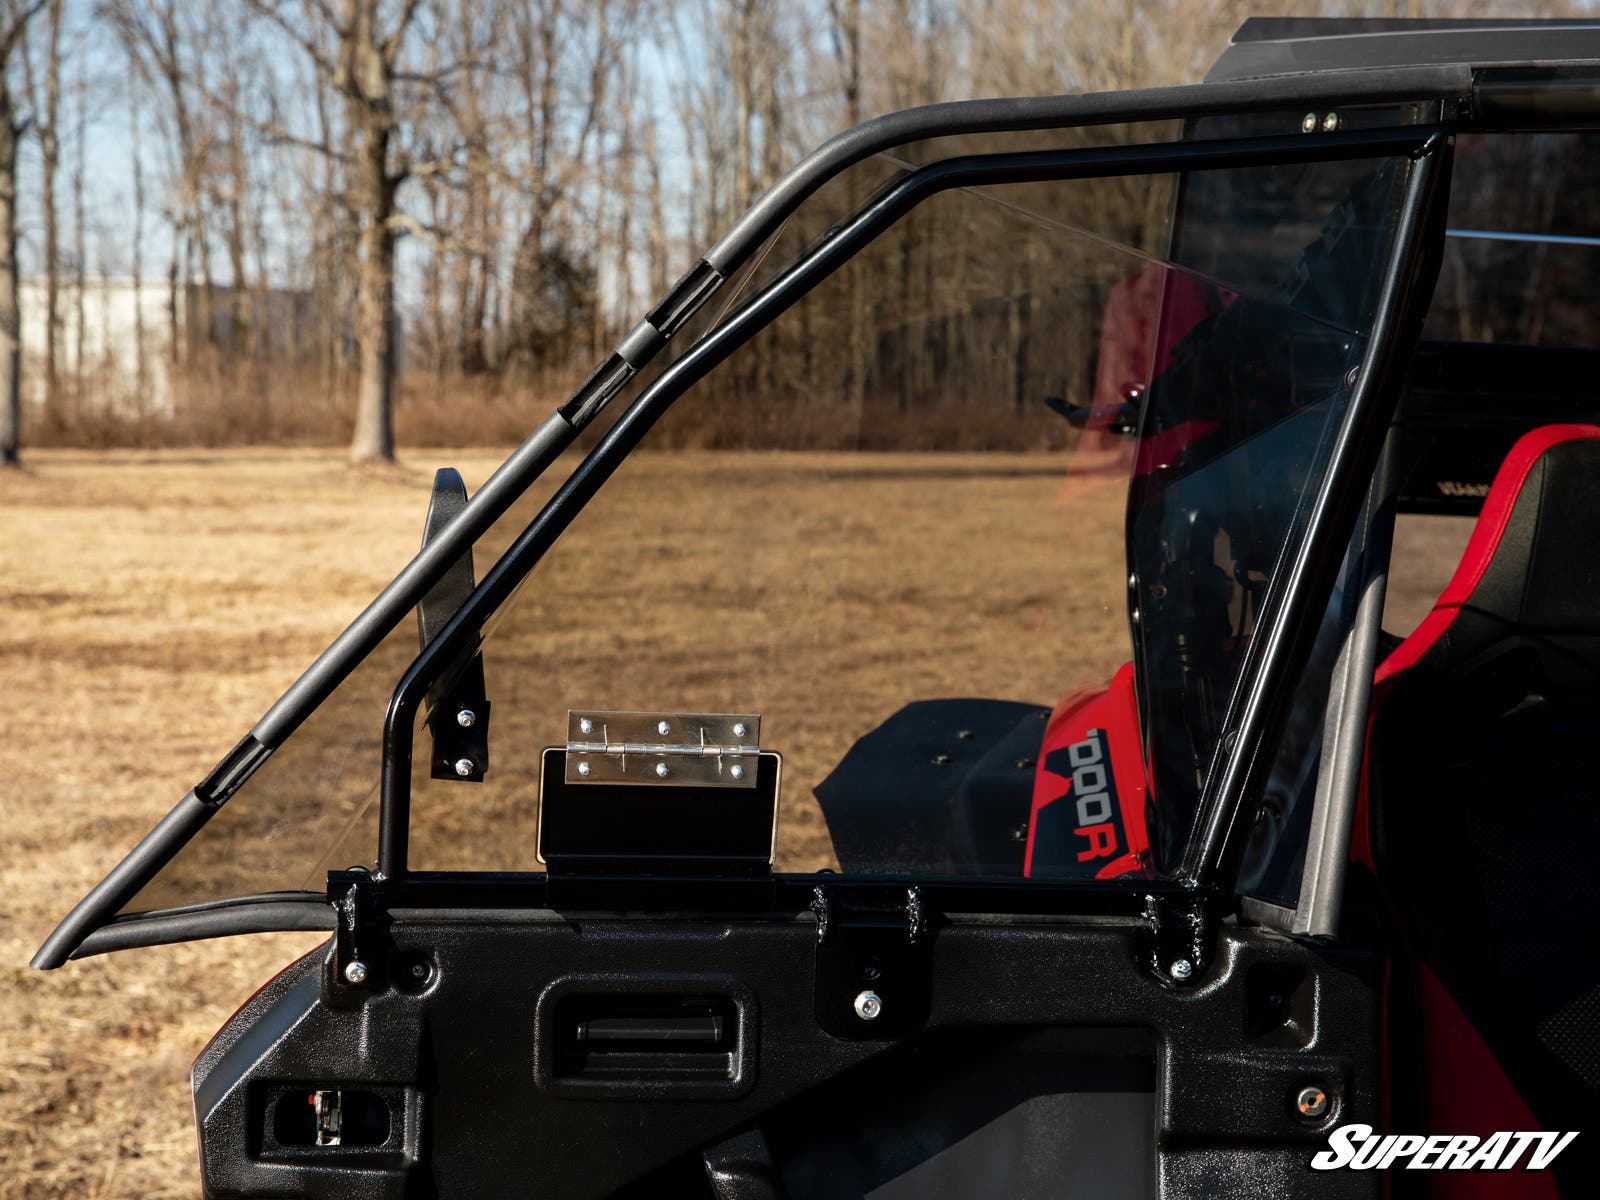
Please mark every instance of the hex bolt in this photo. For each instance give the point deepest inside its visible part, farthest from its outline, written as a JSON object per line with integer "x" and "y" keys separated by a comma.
{"x": 355, "y": 972}
{"x": 1311, "y": 1102}
{"x": 736, "y": 771}
{"x": 663, "y": 728}
{"x": 1330, "y": 122}
{"x": 868, "y": 1006}
{"x": 463, "y": 767}
{"x": 1308, "y": 122}
{"x": 585, "y": 725}
{"x": 739, "y": 729}
{"x": 466, "y": 718}
{"x": 584, "y": 769}
{"x": 661, "y": 770}
{"x": 1182, "y": 969}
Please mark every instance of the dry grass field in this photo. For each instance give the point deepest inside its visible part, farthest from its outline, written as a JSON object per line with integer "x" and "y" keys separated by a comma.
{"x": 152, "y": 605}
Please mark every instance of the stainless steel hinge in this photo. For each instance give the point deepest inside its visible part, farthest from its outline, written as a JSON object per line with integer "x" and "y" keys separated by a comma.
{"x": 665, "y": 749}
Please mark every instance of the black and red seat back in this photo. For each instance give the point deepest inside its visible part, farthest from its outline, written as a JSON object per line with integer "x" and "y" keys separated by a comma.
{"x": 1483, "y": 810}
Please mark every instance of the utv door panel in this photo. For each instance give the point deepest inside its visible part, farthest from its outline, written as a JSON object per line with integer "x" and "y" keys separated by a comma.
{"x": 1051, "y": 1063}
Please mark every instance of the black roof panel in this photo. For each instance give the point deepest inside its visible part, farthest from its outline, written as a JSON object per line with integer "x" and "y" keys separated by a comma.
{"x": 1265, "y": 46}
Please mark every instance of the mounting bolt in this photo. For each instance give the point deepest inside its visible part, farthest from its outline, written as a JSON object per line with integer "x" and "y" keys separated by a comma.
{"x": 355, "y": 972}
{"x": 1181, "y": 969}
{"x": 661, "y": 770}
{"x": 736, "y": 771}
{"x": 739, "y": 729}
{"x": 585, "y": 725}
{"x": 1330, "y": 122}
{"x": 868, "y": 1006}
{"x": 1311, "y": 1102}
{"x": 663, "y": 728}
{"x": 466, "y": 718}
{"x": 1350, "y": 376}
{"x": 584, "y": 769}
{"x": 463, "y": 767}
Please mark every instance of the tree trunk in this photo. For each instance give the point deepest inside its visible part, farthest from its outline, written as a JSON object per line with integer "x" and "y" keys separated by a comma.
{"x": 10, "y": 322}
{"x": 374, "y": 434}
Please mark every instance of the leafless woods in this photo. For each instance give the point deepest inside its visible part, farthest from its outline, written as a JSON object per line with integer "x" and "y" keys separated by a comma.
{"x": 309, "y": 219}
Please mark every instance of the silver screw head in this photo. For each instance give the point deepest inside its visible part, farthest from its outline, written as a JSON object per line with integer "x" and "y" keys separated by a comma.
{"x": 584, "y": 769}
{"x": 466, "y": 718}
{"x": 662, "y": 771}
{"x": 1330, "y": 122}
{"x": 355, "y": 972}
{"x": 739, "y": 729}
{"x": 663, "y": 728}
{"x": 868, "y": 1006}
{"x": 1182, "y": 969}
{"x": 419, "y": 970}
{"x": 736, "y": 771}
{"x": 1311, "y": 1102}
{"x": 1308, "y": 122}
{"x": 463, "y": 767}
{"x": 585, "y": 725}
{"x": 1350, "y": 376}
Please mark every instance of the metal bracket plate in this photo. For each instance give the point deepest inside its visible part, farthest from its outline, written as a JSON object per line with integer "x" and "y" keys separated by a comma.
{"x": 873, "y": 967}
{"x": 662, "y": 749}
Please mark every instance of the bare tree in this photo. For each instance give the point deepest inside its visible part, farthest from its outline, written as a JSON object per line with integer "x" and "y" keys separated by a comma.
{"x": 355, "y": 52}
{"x": 14, "y": 18}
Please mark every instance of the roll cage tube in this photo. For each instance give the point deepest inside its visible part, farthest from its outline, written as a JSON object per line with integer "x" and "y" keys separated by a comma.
{"x": 459, "y": 637}
{"x": 1448, "y": 83}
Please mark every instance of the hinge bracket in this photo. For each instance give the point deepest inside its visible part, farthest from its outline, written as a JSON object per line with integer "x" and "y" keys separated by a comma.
{"x": 873, "y": 966}
{"x": 353, "y": 968}
{"x": 1178, "y": 944}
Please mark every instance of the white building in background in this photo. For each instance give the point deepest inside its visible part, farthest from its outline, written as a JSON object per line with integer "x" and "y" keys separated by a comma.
{"x": 115, "y": 310}
{"x": 119, "y": 315}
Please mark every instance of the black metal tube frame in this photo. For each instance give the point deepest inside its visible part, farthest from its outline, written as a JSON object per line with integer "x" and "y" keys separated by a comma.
{"x": 1447, "y": 83}
{"x": 459, "y": 637}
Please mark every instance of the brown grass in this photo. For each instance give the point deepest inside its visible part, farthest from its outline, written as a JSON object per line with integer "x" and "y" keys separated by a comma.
{"x": 155, "y": 602}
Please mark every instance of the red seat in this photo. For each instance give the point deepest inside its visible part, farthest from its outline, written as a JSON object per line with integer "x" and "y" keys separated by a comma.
{"x": 1481, "y": 819}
